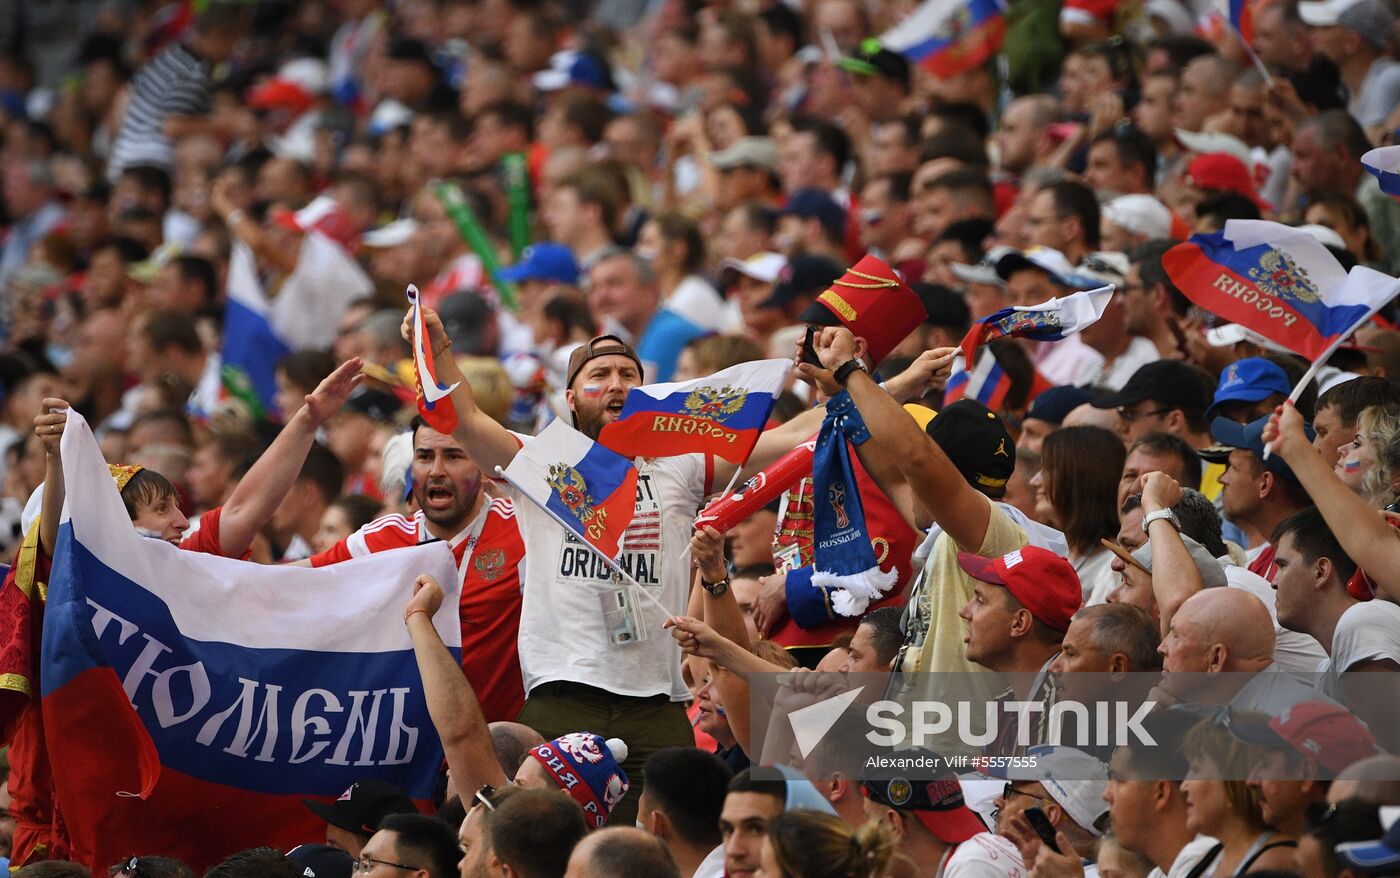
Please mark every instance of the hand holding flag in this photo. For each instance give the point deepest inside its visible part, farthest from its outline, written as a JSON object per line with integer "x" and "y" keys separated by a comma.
{"x": 434, "y": 399}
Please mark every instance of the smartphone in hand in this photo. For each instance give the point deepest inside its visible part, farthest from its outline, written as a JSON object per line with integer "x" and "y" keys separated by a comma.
{"x": 1043, "y": 828}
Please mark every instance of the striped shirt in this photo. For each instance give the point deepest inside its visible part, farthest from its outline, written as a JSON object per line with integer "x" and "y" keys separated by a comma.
{"x": 174, "y": 82}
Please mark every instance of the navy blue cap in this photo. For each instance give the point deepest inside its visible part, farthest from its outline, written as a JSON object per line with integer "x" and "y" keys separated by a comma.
{"x": 1379, "y": 857}
{"x": 1250, "y": 437}
{"x": 322, "y": 861}
{"x": 543, "y": 261}
{"x": 813, "y": 203}
{"x": 1249, "y": 380}
{"x": 1054, "y": 404}
{"x": 804, "y": 275}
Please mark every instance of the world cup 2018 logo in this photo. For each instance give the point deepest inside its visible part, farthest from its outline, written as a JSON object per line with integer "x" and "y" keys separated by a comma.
{"x": 837, "y": 495}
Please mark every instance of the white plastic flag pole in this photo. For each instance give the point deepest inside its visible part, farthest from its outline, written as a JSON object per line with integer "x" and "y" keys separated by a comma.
{"x": 1318, "y": 363}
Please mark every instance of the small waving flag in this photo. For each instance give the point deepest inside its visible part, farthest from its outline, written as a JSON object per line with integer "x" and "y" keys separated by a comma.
{"x": 1384, "y": 163}
{"x": 588, "y": 489}
{"x": 1049, "y": 321}
{"x": 721, "y": 414}
{"x": 986, "y": 382}
{"x": 948, "y": 37}
{"x": 1279, "y": 282}
{"x": 434, "y": 399}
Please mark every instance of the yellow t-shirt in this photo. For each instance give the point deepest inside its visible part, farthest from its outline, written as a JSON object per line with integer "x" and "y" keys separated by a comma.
{"x": 1210, "y": 480}
{"x": 947, "y": 588}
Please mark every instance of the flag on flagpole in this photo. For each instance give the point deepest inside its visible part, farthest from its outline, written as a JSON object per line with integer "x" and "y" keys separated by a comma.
{"x": 722, "y": 414}
{"x": 948, "y": 37}
{"x": 193, "y": 701}
{"x": 1279, "y": 282}
{"x": 1049, "y": 321}
{"x": 1384, "y": 163}
{"x": 434, "y": 398}
{"x": 590, "y": 490}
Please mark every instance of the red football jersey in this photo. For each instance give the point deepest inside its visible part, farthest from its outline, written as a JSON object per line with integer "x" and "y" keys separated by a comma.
{"x": 489, "y": 553}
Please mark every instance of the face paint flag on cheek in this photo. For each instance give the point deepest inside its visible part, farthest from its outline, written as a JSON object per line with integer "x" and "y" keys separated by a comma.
{"x": 434, "y": 398}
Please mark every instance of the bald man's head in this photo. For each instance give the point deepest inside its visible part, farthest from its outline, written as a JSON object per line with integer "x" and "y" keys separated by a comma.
{"x": 1216, "y": 630}
{"x": 512, "y": 741}
{"x": 1374, "y": 780}
{"x": 621, "y": 850}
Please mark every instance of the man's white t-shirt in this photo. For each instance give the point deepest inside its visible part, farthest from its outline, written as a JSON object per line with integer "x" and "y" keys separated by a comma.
{"x": 984, "y": 856}
{"x": 562, "y": 633}
{"x": 1366, "y": 631}
{"x": 1186, "y": 858}
{"x": 1295, "y": 653}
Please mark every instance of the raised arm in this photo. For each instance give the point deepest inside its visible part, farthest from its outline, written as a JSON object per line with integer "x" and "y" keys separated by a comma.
{"x": 1174, "y": 575}
{"x": 452, "y": 704}
{"x": 259, "y": 493}
{"x": 48, "y": 426}
{"x": 721, "y": 613}
{"x": 933, "y": 479}
{"x": 489, "y": 444}
{"x": 1363, "y": 533}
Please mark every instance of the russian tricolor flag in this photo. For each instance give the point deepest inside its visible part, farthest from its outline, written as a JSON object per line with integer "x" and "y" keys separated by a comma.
{"x": 987, "y": 382}
{"x": 1279, "y": 282}
{"x": 434, "y": 398}
{"x": 722, "y": 414}
{"x": 948, "y": 37}
{"x": 1049, "y": 321}
{"x": 588, "y": 489}
{"x": 305, "y": 312}
{"x": 191, "y": 701}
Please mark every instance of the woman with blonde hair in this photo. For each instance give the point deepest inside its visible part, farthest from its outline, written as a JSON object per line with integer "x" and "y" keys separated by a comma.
{"x": 1362, "y": 464}
{"x": 813, "y": 844}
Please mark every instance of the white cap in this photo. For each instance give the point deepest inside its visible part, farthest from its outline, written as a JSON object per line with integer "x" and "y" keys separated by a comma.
{"x": 1203, "y": 142}
{"x": 1075, "y": 780}
{"x": 761, "y": 267}
{"x": 388, "y": 115}
{"x": 1173, "y": 14}
{"x": 1232, "y": 333}
{"x": 1139, "y": 214}
{"x": 1324, "y": 236}
{"x": 310, "y": 74}
{"x": 1322, "y": 13}
{"x": 391, "y": 235}
{"x": 984, "y": 272}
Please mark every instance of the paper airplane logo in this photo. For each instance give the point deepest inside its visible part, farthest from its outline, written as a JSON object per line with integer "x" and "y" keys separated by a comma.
{"x": 811, "y": 723}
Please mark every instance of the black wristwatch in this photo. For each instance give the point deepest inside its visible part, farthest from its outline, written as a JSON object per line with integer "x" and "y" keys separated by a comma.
{"x": 716, "y": 589}
{"x": 844, "y": 370}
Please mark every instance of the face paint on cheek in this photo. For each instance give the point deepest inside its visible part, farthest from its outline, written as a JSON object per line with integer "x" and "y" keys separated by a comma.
{"x": 1352, "y": 465}
{"x": 592, "y": 391}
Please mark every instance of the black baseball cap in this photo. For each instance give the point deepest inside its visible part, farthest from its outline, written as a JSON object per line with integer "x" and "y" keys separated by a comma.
{"x": 1172, "y": 383}
{"x": 873, "y": 59}
{"x": 945, "y": 307}
{"x": 322, "y": 861}
{"x": 376, "y": 405}
{"x": 977, "y": 443}
{"x": 1055, "y": 404}
{"x": 805, "y": 275}
{"x": 936, "y": 801}
{"x": 360, "y": 808}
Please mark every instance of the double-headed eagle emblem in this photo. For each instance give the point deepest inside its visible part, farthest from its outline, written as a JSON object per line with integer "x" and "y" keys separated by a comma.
{"x": 572, "y": 490}
{"x": 1279, "y": 276}
{"x": 717, "y": 405}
